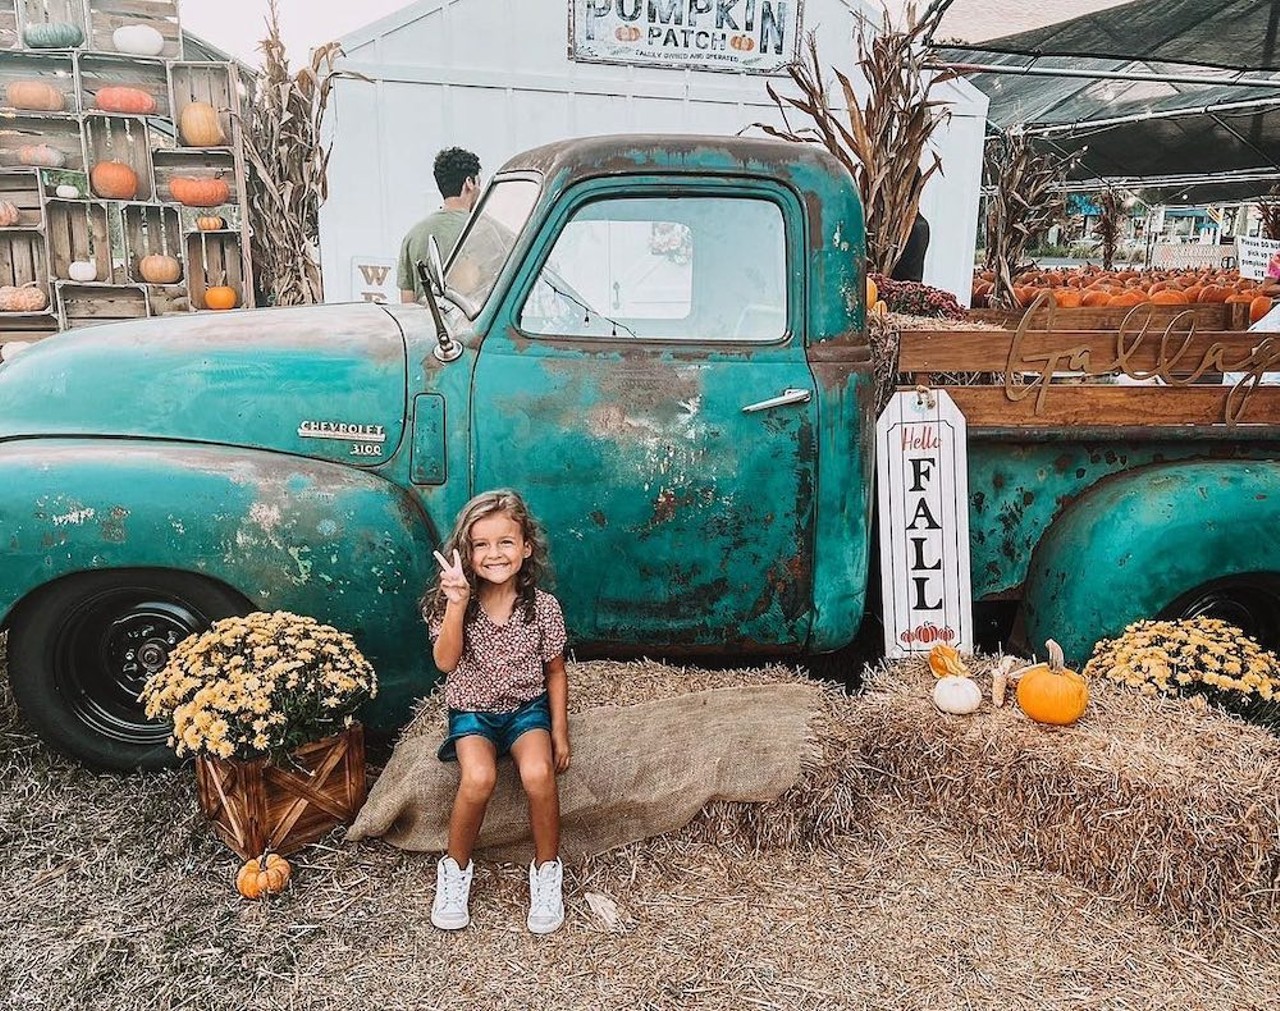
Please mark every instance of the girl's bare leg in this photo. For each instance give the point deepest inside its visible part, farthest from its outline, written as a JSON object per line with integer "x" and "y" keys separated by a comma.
{"x": 532, "y": 754}
{"x": 478, "y": 760}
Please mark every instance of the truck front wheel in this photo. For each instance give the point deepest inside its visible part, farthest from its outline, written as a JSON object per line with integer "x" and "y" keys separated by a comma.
{"x": 1251, "y": 603}
{"x": 80, "y": 650}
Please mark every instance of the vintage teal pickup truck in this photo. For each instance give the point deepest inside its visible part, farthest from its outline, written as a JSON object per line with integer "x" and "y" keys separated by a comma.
{"x": 660, "y": 341}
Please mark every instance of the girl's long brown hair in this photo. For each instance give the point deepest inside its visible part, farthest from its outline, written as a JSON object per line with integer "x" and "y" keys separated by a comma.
{"x": 535, "y": 570}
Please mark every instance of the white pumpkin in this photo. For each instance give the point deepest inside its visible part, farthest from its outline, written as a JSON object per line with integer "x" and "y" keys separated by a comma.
{"x": 138, "y": 40}
{"x": 13, "y": 349}
{"x": 957, "y": 695}
{"x": 67, "y": 192}
{"x": 83, "y": 270}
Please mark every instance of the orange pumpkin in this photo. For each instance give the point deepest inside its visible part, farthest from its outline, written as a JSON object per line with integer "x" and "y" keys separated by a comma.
{"x": 1212, "y": 293}
{"x": 742, "y": 43}
{"x": 34, "y": 96}
{"x": 120, "y": 98}
{"x": 220, "y": 297}
{"x": 114, "y": 180}
{"x": 196, "y": 192}
{"x": 210, "y": 223}
{"x": 10, "y": 215}
{"x": 199, "y": 126}
{"x": 1259, "y": 307}
{"x": 1168, "y": 296}
{"x": 1067, "y": 297}
{"x": 23, "y": 298}
{"x": 1095, "y": 297}
{"x": 41, "y": 155}
{"x": 1192, "y": 293}
{"x": 265, "y": 875}
{"x": 626, "y": 33}
{"x": 157, "y": 269}
{"x": 1050, "y": 693}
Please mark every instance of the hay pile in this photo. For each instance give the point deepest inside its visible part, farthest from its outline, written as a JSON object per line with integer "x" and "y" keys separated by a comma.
{"x": 1156, "y": 801}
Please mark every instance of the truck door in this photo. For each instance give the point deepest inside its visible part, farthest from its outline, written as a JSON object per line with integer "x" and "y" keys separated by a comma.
{"x": 645, "y": 386}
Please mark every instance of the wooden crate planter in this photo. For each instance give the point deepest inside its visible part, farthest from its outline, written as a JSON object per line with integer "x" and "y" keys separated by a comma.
{"x": 149, "y": 230}
{"x": 91, "y": 304}
{"x": 9, "y": 25}
{"x": 257, "y": 806}
{"x": 22, "y": 188}
{"x": 78, "y": 230}
{"x": 57, "y": 71}
{"x": 35, "y": 12}
{"x": 60, "y": 133}
{"x": 105, "y": 16}
{"x": 99, "y": 71}
{"x": 215, "y": 258}
{"x": 212, "y": 84}
{"x": 123, "y": 139}
{"x": 22, "y": 260}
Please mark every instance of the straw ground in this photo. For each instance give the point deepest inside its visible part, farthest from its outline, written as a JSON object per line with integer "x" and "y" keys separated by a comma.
{"x": 115, "y": 895}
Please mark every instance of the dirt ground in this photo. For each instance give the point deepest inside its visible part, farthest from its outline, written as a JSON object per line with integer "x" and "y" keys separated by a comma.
{"x": 115, "y": 895}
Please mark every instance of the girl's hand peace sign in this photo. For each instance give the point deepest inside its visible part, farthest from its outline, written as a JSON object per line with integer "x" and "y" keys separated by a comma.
{"x": 453, "y": 581}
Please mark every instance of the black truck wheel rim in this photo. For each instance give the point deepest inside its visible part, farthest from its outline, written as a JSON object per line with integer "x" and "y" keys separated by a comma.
{"x": 107, "y": 649}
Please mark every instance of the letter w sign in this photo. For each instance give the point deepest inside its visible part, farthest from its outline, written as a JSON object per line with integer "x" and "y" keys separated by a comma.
{"x": 922, "y": 470}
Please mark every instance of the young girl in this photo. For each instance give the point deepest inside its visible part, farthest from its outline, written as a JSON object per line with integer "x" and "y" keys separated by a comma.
{"x": 500, "y": 642}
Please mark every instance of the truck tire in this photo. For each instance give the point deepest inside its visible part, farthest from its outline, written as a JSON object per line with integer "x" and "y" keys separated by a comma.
{"x": 81, "y": 648}
{"x": 1250, "y": 602}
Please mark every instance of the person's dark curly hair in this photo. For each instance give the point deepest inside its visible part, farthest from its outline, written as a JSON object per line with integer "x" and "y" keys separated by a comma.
{"x": 453, "y": 167}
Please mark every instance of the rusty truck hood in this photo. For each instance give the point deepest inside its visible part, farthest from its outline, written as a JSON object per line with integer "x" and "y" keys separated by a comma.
{"x": 313, "y": 380}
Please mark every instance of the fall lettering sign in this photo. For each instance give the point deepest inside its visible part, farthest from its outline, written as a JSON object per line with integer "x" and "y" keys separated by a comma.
{"x": 753, "y": 36}
{"x": 923, "y": 488}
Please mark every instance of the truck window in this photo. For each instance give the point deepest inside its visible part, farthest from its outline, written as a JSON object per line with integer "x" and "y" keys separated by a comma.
{"x": 490, "y": 235}
{"x": 691, "y": 268}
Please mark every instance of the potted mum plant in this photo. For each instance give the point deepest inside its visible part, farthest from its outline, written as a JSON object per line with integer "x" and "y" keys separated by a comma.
{"x": 266, "y": 703}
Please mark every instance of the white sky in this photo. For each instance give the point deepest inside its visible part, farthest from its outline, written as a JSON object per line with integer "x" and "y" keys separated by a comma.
{"x": 237, "y": 25}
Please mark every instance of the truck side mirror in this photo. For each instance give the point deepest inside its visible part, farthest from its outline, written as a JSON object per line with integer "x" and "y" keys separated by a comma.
{"x": 437, "y": 265}
{"x": 432, "y": 276}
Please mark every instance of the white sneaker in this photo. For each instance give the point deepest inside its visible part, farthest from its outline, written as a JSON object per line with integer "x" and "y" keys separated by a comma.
{"x": 453, "y": 890}
{"x": 546, "y": 903}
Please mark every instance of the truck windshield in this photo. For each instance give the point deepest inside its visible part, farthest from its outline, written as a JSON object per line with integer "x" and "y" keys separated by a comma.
{"x": 491, "y": 233}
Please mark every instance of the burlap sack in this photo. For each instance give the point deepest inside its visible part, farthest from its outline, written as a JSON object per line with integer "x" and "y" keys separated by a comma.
{"x": 637, "y": 771}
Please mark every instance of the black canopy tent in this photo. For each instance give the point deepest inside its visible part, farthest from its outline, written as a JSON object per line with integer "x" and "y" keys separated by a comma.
{"x": 1106, "y": 87}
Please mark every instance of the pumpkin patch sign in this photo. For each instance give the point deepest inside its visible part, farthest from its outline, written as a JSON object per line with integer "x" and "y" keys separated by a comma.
{"x": 746, "y": 36}
{"x": 922, "y": 475}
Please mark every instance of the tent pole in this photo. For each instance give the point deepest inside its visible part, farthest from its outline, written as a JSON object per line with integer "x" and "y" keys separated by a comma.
{"x": 1090, "y": 125}
{"x": 1107, "y": 75}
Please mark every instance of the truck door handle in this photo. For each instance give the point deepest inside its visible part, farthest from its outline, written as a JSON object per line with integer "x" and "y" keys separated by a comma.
{"x": 787, "y": 397}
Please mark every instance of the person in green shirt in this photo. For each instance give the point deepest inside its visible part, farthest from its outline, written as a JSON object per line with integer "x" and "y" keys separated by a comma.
{"x": 457, "y": 173}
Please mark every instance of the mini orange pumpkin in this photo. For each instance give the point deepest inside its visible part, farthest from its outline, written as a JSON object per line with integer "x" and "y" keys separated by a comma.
{"x": 742, "y": 43}
{"x": 264, "y": 875}
{"x": 627, "y": 33}
{"x": 199, "y": 192}
{"x": 210, "y": 223}
{"x": 1051, "y": 693}
{"x": 220, "y": 296}
{"x": 114, "y": 180}
{"x": 1259, "y": 307}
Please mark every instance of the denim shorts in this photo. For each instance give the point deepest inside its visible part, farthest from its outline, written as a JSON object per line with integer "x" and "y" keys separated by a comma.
{"x": 500, "y": 728}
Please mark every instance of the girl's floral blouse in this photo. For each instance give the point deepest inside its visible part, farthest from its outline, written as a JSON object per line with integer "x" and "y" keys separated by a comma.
{"x": 501, "y": 665}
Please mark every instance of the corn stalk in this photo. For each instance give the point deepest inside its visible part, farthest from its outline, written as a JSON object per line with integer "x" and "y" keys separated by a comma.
{"x": 288, "y": 166}
{"x": 1025, "y": 198}
{"x": 1109, "y": 226}
{"x": 882, "y": 140}
{"x": 1269, "y": 211}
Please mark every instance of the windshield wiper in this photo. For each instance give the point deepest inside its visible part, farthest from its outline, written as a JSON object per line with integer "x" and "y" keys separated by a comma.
{"x": 589, "y": 311}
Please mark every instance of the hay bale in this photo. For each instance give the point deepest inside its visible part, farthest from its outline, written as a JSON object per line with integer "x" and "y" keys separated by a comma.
{"x": 1169, "y": 805}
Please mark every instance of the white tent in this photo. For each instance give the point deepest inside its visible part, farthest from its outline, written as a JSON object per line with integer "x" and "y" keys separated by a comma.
{"x": 495, "y": 76}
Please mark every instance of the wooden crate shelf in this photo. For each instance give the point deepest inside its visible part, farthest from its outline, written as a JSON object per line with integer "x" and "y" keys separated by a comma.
{"x": 79, "y": 230}
{"x": 52, "y": 232}
{"x": 121, "y": 139}
{"x": 105, "y": 16}
{"x": 55, "y": 70}
{"x": 90, "y": 304}
{"x": 213, "y": 259}
{"x": 196, "y": 164}
{"x": 97, "y": 71}
{"x": 22, "y": 189}
{"x": 150, "y": 230}
{"x": 210, "y": 83}
{"x": 34, "y": 12}
{"x": 23, "y": 260}
{"x": 61, "y": 134}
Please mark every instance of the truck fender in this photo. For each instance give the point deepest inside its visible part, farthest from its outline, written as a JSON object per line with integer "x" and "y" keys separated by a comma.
{"x": 1136, "y": 542}
{"x": 289, "y": 533}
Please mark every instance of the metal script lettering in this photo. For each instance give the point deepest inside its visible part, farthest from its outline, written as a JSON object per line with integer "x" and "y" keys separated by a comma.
{"x": 1175, "y": 364}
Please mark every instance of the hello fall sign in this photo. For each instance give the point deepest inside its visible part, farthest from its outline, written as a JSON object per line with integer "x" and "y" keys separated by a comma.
{"x": 748, "y": 36}
{"x": 922, "y": 473}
